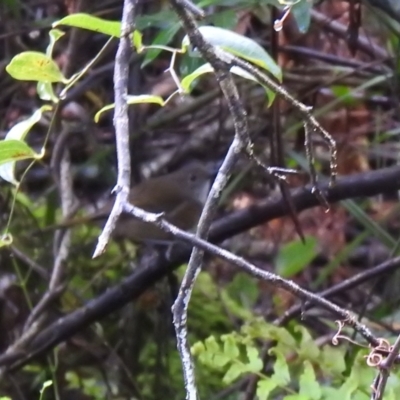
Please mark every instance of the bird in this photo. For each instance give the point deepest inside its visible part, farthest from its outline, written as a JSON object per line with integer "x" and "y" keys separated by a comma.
{"x": 179, "y": 195}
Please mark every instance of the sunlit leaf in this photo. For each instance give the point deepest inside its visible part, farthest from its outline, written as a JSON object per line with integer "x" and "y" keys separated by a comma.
{"x": 86, "y": 21}
{"x": 18, "y": 133}
{"x": 14, "y": 150}
{"x": 264, "y": 388}
{"x": 238, "y": 45}
{"x": 45, "y": 92}
{"x": 234, "y": 371}
{"x": 54, "y": 35}
{"x": 34, "y": 66}
{"x": 188, "y": 81}
{"x": 143, "y": 98}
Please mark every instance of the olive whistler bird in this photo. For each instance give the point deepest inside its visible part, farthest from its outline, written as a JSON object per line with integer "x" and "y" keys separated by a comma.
{"x": 180, "y": 195}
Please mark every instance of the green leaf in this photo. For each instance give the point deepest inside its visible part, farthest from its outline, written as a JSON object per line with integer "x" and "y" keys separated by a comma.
{"x": 308, "y": 349}
{"x": 18, "y": 133}
{"x": 281, "y": 369}
{"x": 197, "y": 349}
{"x": 295, "y": 256}
{"x": 54, "y": 34}
{"x": 137, "y": 41}
{"x": 44, "y": 387}
{"x": 86, "y": 21}
{"x": 301, "y": 12}
{"x": 163, "y": 38}
{"x": 188, "y": 81}
{"x": 255, "y": 363}
{"x": 231, "y": 349}
{"x": 14, "y": 150}
{"x": 332, "y": 360}
{"x": 234, "y": 371}
{"x": 34, "y": 66}
{"x": 308, "y": 383}
{"x": 264, "y": 388}
{"x": 296, "y": 397}
{"x": 45, "y": 92}
{"x": 143, "y": 98}
{"x": 238, "y": 45}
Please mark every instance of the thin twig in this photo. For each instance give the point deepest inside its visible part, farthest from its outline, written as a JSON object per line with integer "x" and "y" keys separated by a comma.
{"x": 121, "y": 123}
{"x": 238, "y": 113}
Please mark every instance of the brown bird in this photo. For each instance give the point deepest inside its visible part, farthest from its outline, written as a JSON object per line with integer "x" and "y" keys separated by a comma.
{"x": 179, "y": 195}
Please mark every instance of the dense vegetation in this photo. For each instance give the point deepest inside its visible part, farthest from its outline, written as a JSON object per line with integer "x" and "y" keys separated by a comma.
{"x": 298, "y": 299}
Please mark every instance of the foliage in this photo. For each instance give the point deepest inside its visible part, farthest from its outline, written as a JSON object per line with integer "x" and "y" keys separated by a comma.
{"x": 297, "y": 368}
{"x": 223, "y": 323}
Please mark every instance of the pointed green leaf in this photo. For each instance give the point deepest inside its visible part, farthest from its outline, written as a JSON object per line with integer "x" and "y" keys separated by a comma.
{"x": 293, "y": 257}
{"x": 14, "y": 150}
{"x": 301, "y": 12}
{"x": 54, "y": 34}
{"x": 143, "y": 98}
{"x": 188, "y": 81}
{"x": 34, "y": 66}
{"x": 86, "y": 21}
{"x": 238, "y": 45}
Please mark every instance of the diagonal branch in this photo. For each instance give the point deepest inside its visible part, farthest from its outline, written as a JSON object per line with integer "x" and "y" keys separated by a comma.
{"x": 356, "y": 186}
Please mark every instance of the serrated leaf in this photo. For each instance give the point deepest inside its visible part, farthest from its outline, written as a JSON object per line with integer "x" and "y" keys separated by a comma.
{"x": 219, "y": 360}
{"x": 332, "y": 360}
{"x": 34, "y": 66}
{"x": 308, "y": 349}
{"x": 143, "y": 98}
{"x": 238, "y": 45}
{"x": 95, "y": 24}
{"x": 230, "y": 348}
{"x": 264, "y": 388}
{"x": 234, "y": 371}
{"x": 18, "y": 132}
{"x": 281, "y": 370}
{"x": 293, "y": 257}
{"x": 309, "y": 386}
{"x": 255, "y": 363}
